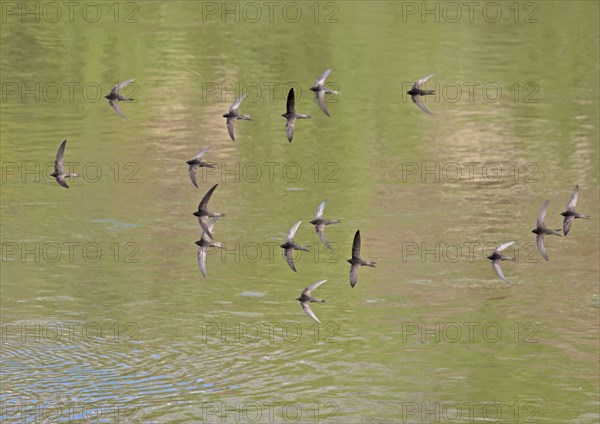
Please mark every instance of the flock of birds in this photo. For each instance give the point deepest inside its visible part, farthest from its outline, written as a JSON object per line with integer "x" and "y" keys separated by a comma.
{"x": 541, "y": 231}
{"x": 203, "y": 213}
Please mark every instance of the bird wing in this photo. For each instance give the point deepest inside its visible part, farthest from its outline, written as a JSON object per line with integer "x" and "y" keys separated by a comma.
{"x": 291, "y": 101}
{"x": 320, "y": 228}
{"x": 210, "y": 226}
{"x": 121, "y": 85}
{"x": 307, "y": 291}
{"x": 237, "y": 103}
{"x": 417, "y": 100}
{"x": 496, "y": 266}
{"x": 202, "y": 222}
{"x": 540, "y": 244}
{"x": 201, "y": 152}
{"x": 117, "y": 109}
{"x": 321, "y": 99}
{"x": 289, "y": 128}
{"x": 356, "y": 245}
{"x": 308, "y": 310}
{"x": 59, "y": 161}
{"x": 323, "y": 77}
{"x": 61, "y": 181}
{"x": 542, "y": 215}
{"x": 288, "y": 253}
{"x": 230, "y": 126}
{"x": 421, "y": 81}
{"x": 567, "y": 224}
{"x": 212, "y": 222}
{"x": 202, "y": 259}
{"x": 573, "y": 200}
{"x": 206, "y": 198}
{"x": 500, "y": 248}
{"x": 192, "y": 172}
{"x": 320, "y": 209}
{"x": 354, "y": 274}
{"x": 292, "y": 233}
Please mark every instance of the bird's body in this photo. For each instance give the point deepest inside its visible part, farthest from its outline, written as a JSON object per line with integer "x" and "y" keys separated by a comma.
{"x": 290, "y": 245}
{"x": 497, "y": 257}
{"x": 233, "y": 115}
{"x": 59, "y": 167}
{"x": 203, "y": 213}
{"x": 320, "y": 90}
{"x": 356, "y": 261}
{"x": 203, "y": 244}
{"x": 306, "y": 299}
{"x": 196, "y": 162}
{"x": 319, "y": 222}
{"x": 114, "y": 97}
{"x": 541, "y": 231}
{"x": 291, "y": 115}
{"x": 415, "y": 93}
{"x": 571, "y": 214}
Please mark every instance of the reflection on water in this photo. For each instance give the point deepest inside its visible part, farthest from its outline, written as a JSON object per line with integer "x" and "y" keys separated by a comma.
{"x": 104, "y": 312}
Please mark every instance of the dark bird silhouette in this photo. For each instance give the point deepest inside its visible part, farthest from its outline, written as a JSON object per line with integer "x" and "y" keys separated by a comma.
{"x": 197, "y": 162}
{"x": 416, "y": 93}
{"x": 570, "y": 214}
{"x": 497, "y": 256}
{"x": 204, "y": 243}
{"x": 291, "y": 115}
{"x": 541, "y": 230}
{"x": 59, "y": 169}
{"x": 356, "y": 261}
{"x": 203, "y": 213}
{"x": 306, "y": 299}
{"x": 114, "y": 97}
{"x": 319, "y": 222}
{"x": 234, "y": 115}
{"x": 320, "y": 91}
{"x": 290, "y": 245}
